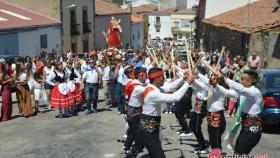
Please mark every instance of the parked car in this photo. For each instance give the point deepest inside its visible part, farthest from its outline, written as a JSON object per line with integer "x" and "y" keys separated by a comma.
{"x": 180, "y": 42}
{"x": 182, "y": 53}
{"x": 270, "y": 88}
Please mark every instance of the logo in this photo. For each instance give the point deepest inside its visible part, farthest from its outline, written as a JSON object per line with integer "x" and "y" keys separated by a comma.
{"x": 215, "y": 153}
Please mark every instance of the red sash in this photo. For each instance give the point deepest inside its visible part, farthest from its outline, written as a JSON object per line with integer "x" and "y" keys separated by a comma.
{"x": 145, "y": 93}
{"x": 129, "y": 89}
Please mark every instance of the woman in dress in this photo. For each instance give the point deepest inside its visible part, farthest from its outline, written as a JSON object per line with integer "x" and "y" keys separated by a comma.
{"x": 22, "y": 78}
{"x": 5, "y": 81}
{"x": 46, "y": 72}
{"x": 61, "y": 97}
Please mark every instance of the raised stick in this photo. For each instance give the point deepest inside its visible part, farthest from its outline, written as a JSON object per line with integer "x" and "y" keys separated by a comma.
{"x": 172, "y": 62}
{"x": 197, "y": 63}
{"x": 219, "y": 60}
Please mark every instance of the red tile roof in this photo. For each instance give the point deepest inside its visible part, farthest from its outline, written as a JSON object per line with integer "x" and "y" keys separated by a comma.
{"x": 145, "y": 8}
{"x": 105, "y": 8}
{"x": 166, "y": 11}
{"x": 136, "y": 19}
{"x": 12, "y": 17}
{"x": 261, "y": 17}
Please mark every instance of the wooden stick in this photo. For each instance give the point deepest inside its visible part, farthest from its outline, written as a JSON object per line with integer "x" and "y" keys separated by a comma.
{"x": 197, "y": 63}
{"x": 172, "y": 62}
{"x": 150, "y": 51}
{"x": 219, "y": 60}
{"x": 190, "y": 55}
{"x": 208, "y": 66}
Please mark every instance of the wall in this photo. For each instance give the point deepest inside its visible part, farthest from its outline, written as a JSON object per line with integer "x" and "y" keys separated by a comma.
{"x": 216, "y": 38}
{"x": 267, "y": 46}
{"x": 138, "y": 41}
{"x": 165, "y": 29}
{"x": 102, "y": 24}
{"x": 9, "y": 43}
{"x": 68, "y": 39}
{"x": 29, "y": 41}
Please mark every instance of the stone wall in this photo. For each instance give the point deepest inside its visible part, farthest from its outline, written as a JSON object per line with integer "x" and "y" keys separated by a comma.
{"x": 216, "y": 38}
{"x": 267, "y": 46}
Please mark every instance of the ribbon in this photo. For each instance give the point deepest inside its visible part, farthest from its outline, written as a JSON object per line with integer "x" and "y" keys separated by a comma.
{"x": 156, "y": 74}
{"x": 230, "y": 136}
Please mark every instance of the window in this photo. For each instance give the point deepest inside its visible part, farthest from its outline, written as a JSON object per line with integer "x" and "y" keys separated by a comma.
{"x": 133, "y": 37}
{"x": 185, "y": 23}
{"x": 86, "y": 24}
{"x": 180, "y": 36}
{"x": 85, "y": 16}
{"x": 157, "y": 20}
{"x": 73, "y": 18}
{"x": 74, "y": 47}
{"x": 44, "y": 41}
{"x": 73, "y": 23}
{"x": 138, "y": 35}
{"x": 85, "y": 45}
{"x": 177, "y": 23}
{"x": 157, "y": 30}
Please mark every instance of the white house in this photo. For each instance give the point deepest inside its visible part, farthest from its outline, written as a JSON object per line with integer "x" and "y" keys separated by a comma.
{"x": 24, "y": 32}
{"x": 160, "y": 23}
{"x": 137, "y": 32}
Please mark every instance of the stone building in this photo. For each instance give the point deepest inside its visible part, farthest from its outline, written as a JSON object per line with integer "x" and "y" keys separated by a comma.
{"x": 245, "y": 30}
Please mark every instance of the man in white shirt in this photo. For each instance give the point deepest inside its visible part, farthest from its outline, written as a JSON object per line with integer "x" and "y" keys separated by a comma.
{"x": 133, "y": 92}
{"x": 251, "y": 119}
{"x": 254, "y": 61}
{"x": 121, "y": 81}
{"x": 90, "y": 82}
{"x": 215, "y": 109}
{"x": 150, "y": 118}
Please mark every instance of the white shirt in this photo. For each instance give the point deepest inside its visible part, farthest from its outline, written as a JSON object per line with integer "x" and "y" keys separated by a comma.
{"x": 154, "y": 99}
{"x": 136, "y": 98}
{"x": 85, "y": 67}
{"x": 91, "y": 76}
{"x": 217, "y": 101}
{"x": 48, "y": 71}
{"x": 254, "y": 99}
{"x": 22, "y": 76}
{"x": 200, "y": 92}
{"x": 76, "y": 72}
{"x": 108, "y": 74}
{"x": 122, "y": 79}
{"x": 52, "y": 75}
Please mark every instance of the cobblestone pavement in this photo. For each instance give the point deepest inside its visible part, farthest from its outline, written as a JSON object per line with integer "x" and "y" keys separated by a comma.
{"x": 98, "y": 135}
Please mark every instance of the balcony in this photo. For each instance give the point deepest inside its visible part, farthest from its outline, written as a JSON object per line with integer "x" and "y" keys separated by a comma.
{"x": 181, "y": 29}
{"x": 175, "y": 29}
{"x": 75, "y": 29}
{"x": 87, "y": 27}
{"x": 157, "y": 24}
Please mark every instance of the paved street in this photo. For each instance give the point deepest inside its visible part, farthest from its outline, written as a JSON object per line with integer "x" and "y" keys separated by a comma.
{"x": 96, "y": 136}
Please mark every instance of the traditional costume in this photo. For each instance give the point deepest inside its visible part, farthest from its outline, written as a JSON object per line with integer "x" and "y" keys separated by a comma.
{"x": 150, "y": 118}
{"x": 61, "y": 97}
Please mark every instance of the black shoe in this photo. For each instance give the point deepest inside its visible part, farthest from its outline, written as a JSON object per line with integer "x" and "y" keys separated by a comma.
{"x": 66, "y": 115}
{"x": 201, "y": 149}
{"x": 89, "y": 112}
{"x": 59, "y": 116}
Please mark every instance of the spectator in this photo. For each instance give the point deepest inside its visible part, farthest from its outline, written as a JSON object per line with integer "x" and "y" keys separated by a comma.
{"x": 254, "y": 61}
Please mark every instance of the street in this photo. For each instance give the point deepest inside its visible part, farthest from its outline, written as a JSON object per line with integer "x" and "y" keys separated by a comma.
{"x": 98, "y": 135}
